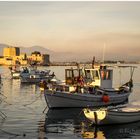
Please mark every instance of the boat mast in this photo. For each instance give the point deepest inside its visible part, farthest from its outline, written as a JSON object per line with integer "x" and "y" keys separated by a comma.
{"x": 93, "y": 62}
{"x": 104, "y": 52}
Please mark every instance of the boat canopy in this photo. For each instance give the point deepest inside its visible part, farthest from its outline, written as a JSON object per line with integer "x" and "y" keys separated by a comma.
{"x": 101, "y": 77}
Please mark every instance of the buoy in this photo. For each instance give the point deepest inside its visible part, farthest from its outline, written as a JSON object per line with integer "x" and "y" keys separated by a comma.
{"x": 105, "y": 98}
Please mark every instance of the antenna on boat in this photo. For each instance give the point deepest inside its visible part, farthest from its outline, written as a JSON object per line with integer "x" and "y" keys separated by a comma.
{"x": 104, "y": 52}
{"x": 132, "y": 72}
{"x": 132, "y": 68}
{"x": 93, "y": 62}
{"x": 120, "y": 76}
{"x": 130, "y": 82}
{"x": 78, "y": 65}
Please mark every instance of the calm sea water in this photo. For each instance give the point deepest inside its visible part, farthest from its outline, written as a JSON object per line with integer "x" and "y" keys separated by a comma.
{"x": 23, "y": 105}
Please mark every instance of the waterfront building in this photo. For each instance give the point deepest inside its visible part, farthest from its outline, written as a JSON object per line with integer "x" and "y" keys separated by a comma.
{"x": 37, "y": 57}
{"x": 45, "y": 59}
{"x": 11, "y": 51}
{"x": 12, "y": 56}
{"x": 5, "y": 60}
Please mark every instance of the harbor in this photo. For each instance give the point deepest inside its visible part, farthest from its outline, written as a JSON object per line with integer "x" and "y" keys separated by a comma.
{"x": 69, "y": 70}
{"x": 26, "y": 115}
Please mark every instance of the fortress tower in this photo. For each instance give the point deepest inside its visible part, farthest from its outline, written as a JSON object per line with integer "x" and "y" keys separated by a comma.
{"x": 11, "y": 51}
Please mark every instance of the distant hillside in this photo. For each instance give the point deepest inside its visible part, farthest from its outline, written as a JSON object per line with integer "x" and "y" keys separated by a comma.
{"x": 29, "y": 50}
{"x": 54, "y": 56}
{"x": 111, "y": 54}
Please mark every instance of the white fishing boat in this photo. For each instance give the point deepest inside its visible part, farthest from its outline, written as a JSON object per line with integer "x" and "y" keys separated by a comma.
{"x": 94, "y": 90}
{"x": 32, "y": 75}
{"x": 56, "y": 99}
{"x": 15, "y": 72}
{"x": 113, "y": 116}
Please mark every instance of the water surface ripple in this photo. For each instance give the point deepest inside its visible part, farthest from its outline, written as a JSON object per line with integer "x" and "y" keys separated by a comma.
{"x": 24, "y": 107}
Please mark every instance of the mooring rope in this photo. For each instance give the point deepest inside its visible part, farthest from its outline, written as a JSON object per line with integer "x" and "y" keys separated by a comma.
{"x": 13, "y": 134}
{"x": 3, "y": 115}
{"x": 33, "y": 101}
{"x": 9, "y": 132}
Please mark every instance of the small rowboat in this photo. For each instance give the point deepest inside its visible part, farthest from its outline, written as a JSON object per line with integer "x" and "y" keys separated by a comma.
{"x": 113, "y": 116}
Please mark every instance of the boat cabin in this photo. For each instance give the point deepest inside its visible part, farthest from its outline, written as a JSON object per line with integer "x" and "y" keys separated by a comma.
{"x": 101, "y": 77}
{"x": 31, "y": 70}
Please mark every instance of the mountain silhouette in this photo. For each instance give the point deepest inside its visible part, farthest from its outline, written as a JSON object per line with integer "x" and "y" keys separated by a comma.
{"x": 54, "y": 56}
{"x": 110, "y": 54}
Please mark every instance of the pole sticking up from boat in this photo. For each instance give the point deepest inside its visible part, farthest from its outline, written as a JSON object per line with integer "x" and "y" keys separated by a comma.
{"x": 104, "y": 52}
{"x": 132, "y": 72}
{"x": 130, "y": 83}
{"x": 120, "y": 76}
{"x": 93, "y": 62}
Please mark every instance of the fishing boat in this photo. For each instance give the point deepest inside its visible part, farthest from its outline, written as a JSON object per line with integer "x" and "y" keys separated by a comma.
{"x": 119, "y": 115}
{"x": 87, "y": 87}
{"x": 32, "y": 75}
{"x": 15, "y": 72}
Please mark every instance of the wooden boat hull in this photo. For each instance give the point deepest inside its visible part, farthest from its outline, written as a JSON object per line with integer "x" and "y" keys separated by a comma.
{"x": 112, "y": 117}
{"x": 28, "y": 79}
{"x": 62, "y": 99}
{"x": 119, "y": 117}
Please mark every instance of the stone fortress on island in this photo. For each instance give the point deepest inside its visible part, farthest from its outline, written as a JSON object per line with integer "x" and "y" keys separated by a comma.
{"x": 12, "y": 56}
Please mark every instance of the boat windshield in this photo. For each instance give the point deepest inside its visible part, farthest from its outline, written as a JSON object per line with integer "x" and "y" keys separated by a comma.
{"x": 95, "y": 74}
{"x": 69, "y": 73}
{"x": 88, "y": 74}
{"x": 75, "y": 73}
{"x": 105, "y": 74}
{"x": 72, "y": 75}
{"x": 25, "y": 70}
{"x": 92, "y": 74}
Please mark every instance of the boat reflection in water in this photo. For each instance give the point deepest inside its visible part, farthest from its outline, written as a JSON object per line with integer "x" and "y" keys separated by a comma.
{"x": 72, "y": 124}
{"x": 63, "y": 123}
{"x": 89, "y": 132}
{"x": 125, "y": 131}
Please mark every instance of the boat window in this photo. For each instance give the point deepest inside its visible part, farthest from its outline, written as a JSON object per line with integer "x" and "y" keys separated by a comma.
{"x": 95, "y": 74}
{"x": 76, "y": 73}
{"x": 69, "y": 73}
{"x": 88, "y": 75}
{"x": 105, "y": 74}
{"x": 81, "y": 73}
{"x": 25, "y": 70}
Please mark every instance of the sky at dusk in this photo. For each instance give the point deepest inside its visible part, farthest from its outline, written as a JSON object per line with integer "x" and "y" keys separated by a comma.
{"x": 82, "y": 27}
